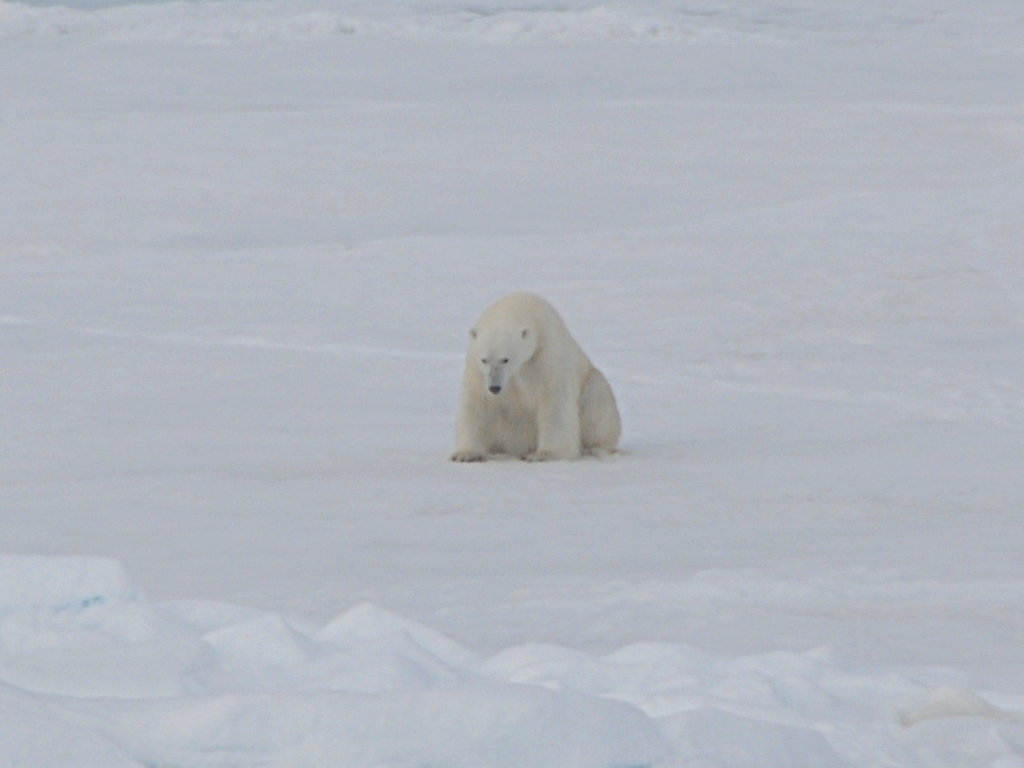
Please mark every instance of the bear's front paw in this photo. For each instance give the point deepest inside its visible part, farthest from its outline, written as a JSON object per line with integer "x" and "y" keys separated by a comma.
{"x": 468, "y": 456}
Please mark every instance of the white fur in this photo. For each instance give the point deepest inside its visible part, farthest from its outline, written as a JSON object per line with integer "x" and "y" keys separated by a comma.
{"x": 529, "y": 390}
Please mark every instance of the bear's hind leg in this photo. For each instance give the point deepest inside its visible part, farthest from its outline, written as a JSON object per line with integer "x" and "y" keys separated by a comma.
{"x": 600, "y": 424}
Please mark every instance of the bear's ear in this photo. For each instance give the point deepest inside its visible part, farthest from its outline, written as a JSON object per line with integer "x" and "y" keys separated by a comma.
{"x": 525, "y": 331}
{"x": 472, "y": 333}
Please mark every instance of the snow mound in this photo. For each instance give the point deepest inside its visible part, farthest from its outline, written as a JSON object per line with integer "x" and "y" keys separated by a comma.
{"x": 466, "y": 726}
{"x": 90, "y": 667}
{"x": 205, "y": 684}
{"x": 69, "y": 625}
{"x": 61, "y": 584}
{"x": 951, "y": 702}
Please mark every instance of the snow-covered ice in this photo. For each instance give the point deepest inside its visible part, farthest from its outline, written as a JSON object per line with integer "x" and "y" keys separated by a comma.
{"x": 241, "y": 244}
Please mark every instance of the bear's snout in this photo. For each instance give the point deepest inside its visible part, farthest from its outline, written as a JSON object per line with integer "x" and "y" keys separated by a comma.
{"x": 494, "y": 389}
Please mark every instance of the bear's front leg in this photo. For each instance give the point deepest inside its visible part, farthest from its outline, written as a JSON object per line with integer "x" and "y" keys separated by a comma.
{"x": 470, "y": 442}
{"x": 467, "y": 456}
{"x": 558, "y": 430}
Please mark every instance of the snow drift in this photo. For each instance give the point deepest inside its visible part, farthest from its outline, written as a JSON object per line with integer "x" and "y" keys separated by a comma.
{"x": 93, "y": 672}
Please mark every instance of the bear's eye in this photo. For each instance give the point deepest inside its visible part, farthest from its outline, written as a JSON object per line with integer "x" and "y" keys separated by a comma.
{"x": 504, "y": 360}
{"x": 483, "y": 360}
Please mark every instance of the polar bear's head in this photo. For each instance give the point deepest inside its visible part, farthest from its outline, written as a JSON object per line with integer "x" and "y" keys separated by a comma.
{"x": 499, "y": 353}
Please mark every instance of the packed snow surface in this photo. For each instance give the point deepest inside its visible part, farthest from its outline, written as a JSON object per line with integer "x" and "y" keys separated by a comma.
{"x": 241, "y": 245}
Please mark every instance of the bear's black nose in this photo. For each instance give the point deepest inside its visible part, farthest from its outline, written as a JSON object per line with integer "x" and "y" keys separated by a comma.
{"x": 495, "y": 389}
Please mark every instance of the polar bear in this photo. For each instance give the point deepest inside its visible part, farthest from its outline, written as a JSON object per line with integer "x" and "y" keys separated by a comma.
{"x": 529, "y": 390}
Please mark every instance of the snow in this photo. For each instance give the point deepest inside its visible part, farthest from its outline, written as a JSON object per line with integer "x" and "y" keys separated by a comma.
{"x": 118, "y": 680}
{"x": 241, "y": 244}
